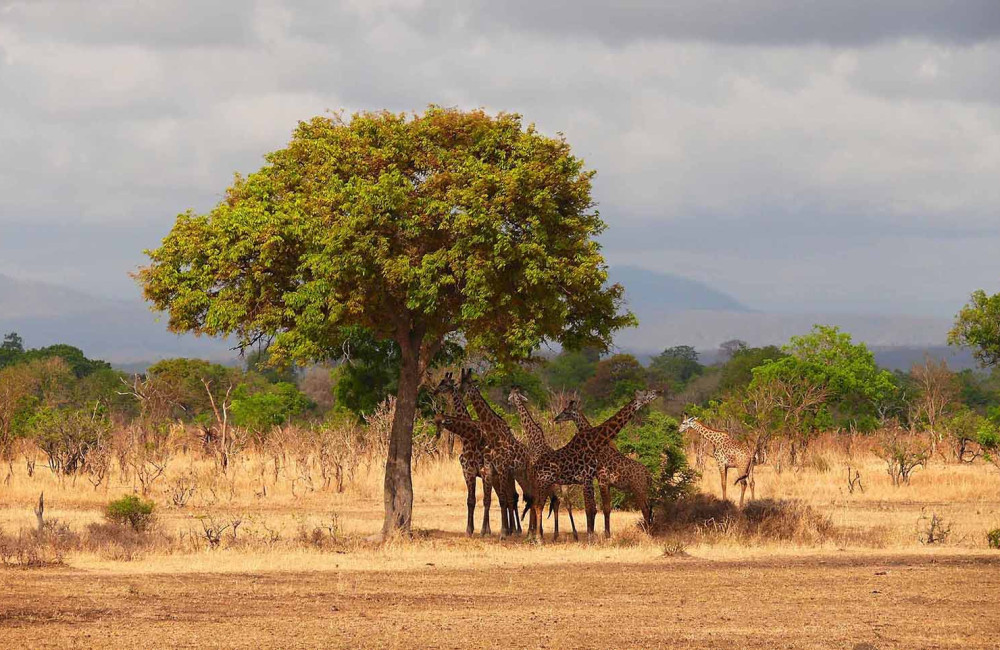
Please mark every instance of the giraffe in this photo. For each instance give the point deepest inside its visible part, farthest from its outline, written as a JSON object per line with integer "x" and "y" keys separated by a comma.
{"x": 577, "y": 462}
{"x": 537, "y": 445}
{"x": 615, "y": 469}
{"x": 471, "y": 459}
{"x": 728, "y": 453}
{"x": 506, "y": 456}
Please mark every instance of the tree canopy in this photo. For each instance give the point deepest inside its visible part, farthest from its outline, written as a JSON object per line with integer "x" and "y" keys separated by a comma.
{"x": 977, "y": 326}
{"x": 415, "y": 228}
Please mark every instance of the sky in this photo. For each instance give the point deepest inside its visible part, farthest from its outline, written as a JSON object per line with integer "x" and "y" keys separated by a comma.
{"x": 801, "y": 155}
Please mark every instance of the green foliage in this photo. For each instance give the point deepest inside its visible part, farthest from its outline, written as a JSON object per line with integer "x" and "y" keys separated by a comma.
{"x": 570, "y": 369}
{"x": 259, "y": 362}
{"x": 615, "y": 380}
{"x": 67, "y": 436}
{"x": 530, "y": 383}
{"x": 659, "y": 446}
{"x": 132, "y": 511}
{"x": 411, "y": 227}
{"x": 979, "y": 390}
{"x": 977, "y": 326}
{"x": 993, "y": 538}
{"x": 737, "y": 373}
{"x": 181, "y": 383}
{"x": 675, "y": 367}
{"x": 858, "y": 387}
{"x": 275, "y": 405}
{"x": 11, "y": 350}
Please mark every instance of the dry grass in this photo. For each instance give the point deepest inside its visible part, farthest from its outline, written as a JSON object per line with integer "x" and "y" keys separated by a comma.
{"x": 299, "y": 572}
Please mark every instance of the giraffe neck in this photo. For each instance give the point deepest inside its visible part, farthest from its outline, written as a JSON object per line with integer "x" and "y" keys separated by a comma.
{"x": 581, "y": 421}
{"x": 465, "y": 428}
{"x": 458, "y": 404}
{"x": 606, "y": 431}
{"x": 534, "y": 433}
{"x": 482, "y": 407}
{"x": 713, "y": 436}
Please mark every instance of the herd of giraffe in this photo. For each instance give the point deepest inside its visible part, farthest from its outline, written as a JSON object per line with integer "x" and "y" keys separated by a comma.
{"x": 492, "y": 454}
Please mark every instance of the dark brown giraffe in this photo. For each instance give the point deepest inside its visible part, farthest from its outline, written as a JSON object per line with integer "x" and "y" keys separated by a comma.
{"x": 728, "y": 453}
{"x": 506, "y": 456}
{"x": 537, "y": 445}
{"x": 472, "y": 458}
{"x": 577, "y": 463}
{"x": 615, "y": 469}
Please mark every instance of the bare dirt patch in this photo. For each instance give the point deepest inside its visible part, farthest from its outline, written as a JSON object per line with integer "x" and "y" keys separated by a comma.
{"x": 830, "y": 602}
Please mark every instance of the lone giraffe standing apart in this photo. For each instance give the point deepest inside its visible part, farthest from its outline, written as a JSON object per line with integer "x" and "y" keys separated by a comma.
{"x": 472, "y": 458}
{"x": 728, "y": 453}
{"x": 506, "y": 456}
{"x": 615, "y": 469}
{"x": 537, "y": 445}
{"x": 577, "y": 463}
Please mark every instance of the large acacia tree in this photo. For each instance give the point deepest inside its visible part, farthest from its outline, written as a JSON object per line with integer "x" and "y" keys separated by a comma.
{"x": 416, "y": 228}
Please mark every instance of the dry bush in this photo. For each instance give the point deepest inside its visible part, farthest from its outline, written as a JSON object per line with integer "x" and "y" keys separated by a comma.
{"x": 28, "y": 550}
{"x": 116, "y": 542}
{"x": 705, "y": 518}
{"x": 903, "y": 452}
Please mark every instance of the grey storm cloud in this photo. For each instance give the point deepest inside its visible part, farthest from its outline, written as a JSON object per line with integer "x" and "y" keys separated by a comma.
{"x": 755, "y": 22}
{"x": 723, "y": 132}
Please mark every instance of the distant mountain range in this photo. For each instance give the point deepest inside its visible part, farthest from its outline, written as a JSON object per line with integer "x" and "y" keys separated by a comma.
{"x": 672, "y": 310}
{"x": 120, "y": 331}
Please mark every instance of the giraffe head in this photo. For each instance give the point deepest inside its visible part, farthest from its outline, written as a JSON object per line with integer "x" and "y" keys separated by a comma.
{"x": 446, "y": 385}
{"x": 688, "y": 423}
{"x": 517, "y": 397}
{"x": 568, "y": 414}
{"x": 644, "y": 397}
{"x": 465, "y": 382}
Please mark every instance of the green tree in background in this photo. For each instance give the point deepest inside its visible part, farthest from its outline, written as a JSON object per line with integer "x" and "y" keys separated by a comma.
{"x": 737, "y": 372}
{"x": 570, "y": 369}
{"x": 675, "y": 367}
{"x": 859, "y": 389}
{"x": 977, "y": 326}
{"x": 11, "y": 350}
{"x": 275, "y": 405}
{"x": 416, "y": 228}
{"x": 614, "y": 380}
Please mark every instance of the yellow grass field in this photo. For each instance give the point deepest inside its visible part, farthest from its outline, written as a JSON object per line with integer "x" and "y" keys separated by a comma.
{"x": 300, "y": 573}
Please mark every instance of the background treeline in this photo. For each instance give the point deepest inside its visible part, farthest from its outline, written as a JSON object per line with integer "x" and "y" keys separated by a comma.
{"x": 81, "y": 414}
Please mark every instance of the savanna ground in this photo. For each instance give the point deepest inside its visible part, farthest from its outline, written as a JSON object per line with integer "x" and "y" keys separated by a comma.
{"x": 855, "y": 569}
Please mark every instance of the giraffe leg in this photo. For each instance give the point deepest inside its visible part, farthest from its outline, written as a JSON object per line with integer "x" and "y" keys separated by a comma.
{"x": 555, "y": 523}
{"x": 537, "y": 511}
{"x": 470, "y": 502}
{"x": 515, "y": 510}
{"x": 590, "y": 503}
{"x": 723, "y": 473}
{"x": 750, "y": 479}
{"x": 487, "y": 498}
{"x": 606, "y": 508}
{"x": 743, "y": 491}
{"x": 569, "y": 511}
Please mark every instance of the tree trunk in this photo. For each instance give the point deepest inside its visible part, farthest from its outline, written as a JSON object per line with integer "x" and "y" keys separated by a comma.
{"x": 398, "y": 480}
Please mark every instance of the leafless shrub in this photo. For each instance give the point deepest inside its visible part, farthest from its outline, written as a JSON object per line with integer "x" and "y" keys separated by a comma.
{"x": 903, "y": 452}
{"x": 182, "y": 488}
{"x": 933, "y": 529}
{"x": 854, "y": 480}
{"x": 322, "y": 535}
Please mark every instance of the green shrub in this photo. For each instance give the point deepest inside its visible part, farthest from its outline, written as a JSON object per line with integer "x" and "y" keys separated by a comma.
{"x": 993, "y": 538}
{"x": 131, "y": 511}
{"x": 659, "y": 446}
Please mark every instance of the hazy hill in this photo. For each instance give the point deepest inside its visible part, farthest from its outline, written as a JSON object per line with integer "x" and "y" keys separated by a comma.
{"x": 672, "y": 310}
{"x": 117, "y": 331}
